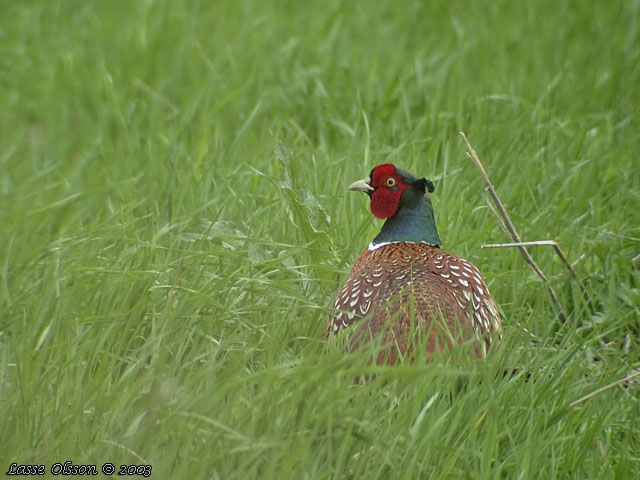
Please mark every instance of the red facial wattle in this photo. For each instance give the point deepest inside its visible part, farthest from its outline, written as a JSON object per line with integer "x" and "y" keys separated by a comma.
{"x": 385, "y": 199}
{"x": 384, "y": 202}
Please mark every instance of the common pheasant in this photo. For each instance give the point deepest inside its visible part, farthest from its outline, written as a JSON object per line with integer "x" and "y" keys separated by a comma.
{"x": 404, "y": 288}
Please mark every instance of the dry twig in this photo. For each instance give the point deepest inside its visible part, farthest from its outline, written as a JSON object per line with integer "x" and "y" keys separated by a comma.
{"x": 506, "y": 220}
{"x": 605, "y": 388}
{"x": 559, "y": 252}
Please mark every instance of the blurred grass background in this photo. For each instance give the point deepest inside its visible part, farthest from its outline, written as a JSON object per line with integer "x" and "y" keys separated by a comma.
{"x": 175, "y": 223}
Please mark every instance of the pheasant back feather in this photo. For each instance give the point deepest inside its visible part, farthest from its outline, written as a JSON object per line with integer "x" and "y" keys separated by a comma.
{"x": 404, "y": 291}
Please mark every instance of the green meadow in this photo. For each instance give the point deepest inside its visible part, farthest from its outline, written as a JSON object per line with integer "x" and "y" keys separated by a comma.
{"x": 174, "y": 223}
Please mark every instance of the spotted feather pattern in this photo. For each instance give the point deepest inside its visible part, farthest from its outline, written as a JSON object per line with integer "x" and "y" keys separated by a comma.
{"x": 395, "y": 288}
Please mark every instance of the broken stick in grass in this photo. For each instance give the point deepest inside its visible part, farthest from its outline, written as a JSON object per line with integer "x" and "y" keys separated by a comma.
{"x": 626, "y": 379}
{"x": 506, "y": 220}
{"x": 559, "y": 252}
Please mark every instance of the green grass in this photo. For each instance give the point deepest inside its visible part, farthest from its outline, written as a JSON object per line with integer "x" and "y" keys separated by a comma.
{"x": 175, "y": 222}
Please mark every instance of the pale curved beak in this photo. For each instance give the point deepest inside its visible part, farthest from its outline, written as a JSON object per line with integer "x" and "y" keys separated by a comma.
{"x": 362, "y": 185}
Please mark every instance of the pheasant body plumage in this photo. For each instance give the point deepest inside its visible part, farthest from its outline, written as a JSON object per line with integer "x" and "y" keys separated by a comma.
{"x": 404, "y": 287}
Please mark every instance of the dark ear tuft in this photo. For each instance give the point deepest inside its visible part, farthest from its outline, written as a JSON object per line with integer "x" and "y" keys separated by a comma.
{"x": 425, "y": 185}
{"x": 429, "y": 185}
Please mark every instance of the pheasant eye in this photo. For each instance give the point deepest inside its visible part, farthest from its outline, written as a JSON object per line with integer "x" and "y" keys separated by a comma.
{"x": 391, "y": 182}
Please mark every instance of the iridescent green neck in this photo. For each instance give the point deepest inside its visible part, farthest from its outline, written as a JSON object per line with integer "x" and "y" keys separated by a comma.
{"x": 413, "y": 222}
